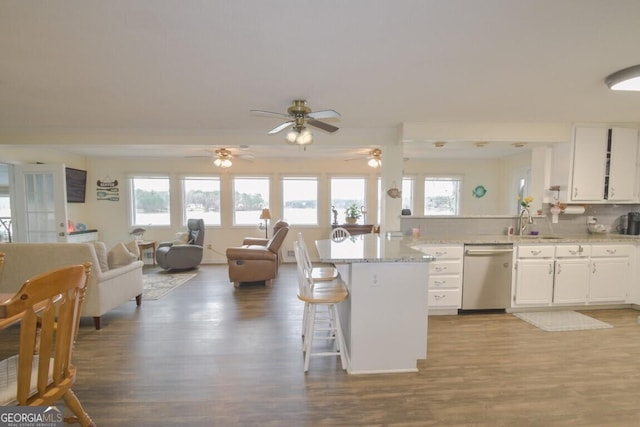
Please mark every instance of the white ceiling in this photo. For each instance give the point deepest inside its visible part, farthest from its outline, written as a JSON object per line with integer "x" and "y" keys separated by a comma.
{"x": 187, "y": 73}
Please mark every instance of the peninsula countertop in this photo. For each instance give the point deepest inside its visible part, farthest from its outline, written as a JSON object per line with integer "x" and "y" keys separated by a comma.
{"x": 369, "y": 248}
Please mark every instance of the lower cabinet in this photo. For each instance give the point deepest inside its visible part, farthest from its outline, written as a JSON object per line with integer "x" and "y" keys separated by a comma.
{"x": 610, "y": 273}
{"x": 571, "y": 274}
{"x": 445, "y": 278}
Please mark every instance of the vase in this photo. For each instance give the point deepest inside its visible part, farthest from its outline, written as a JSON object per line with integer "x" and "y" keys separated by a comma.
{"x": 350, "y": 220}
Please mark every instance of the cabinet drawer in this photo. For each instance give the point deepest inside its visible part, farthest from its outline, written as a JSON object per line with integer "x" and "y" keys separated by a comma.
{"x": 445, "y": 267}
{"x": 445, "y": 282}
{"x": 572, "y": 251}
{"x": 445, "y": 298}
{"x": 611, "y": 250}
{"x": 441, "y": 252}
{"x": 536, "y": 251}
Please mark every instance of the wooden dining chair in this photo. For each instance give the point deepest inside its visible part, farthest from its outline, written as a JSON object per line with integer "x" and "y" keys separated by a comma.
{"x": 48, "y": 307}
{"x": 339, "y": 234}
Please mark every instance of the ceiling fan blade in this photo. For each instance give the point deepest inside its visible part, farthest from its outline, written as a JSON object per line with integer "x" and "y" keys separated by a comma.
{"x": 280, "y": 127}
{"x": 322, "y": 125}
{"x": 269, "y": 114}
{"x": 324, "y": 114}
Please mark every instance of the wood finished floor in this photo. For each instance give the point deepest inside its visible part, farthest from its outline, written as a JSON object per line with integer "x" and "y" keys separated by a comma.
{"x": 211, "y": 355}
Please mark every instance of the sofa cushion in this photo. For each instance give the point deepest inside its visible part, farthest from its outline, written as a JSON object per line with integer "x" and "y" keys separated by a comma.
{"x": 119, "y": 256}
{"x": 101, "y": 253}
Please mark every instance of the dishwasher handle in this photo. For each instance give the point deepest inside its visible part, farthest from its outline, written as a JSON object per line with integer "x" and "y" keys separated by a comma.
{"x": 487, "y": 251}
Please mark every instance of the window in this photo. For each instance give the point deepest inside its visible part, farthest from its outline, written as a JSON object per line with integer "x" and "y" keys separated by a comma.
{"x": 150, "y": 201}
{"x": 442, "y": 195}
{"x": 344, "y": 193}
{"x": 250, "y": 196}
{"x": 300, "y": 200}
{"x": 407, "y": 193}
{"x": 201, "y": 199}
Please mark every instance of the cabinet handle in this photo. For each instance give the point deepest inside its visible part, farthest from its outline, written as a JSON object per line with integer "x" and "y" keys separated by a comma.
{"x": 439, "y": 297}
{"x": 611, "y": 251}
{"x": 438, "y": 253}
{"x": 594, "y": 268}
{"x": 439, "y": 282}
{"x": 440, "y": 268}
{"x": 572, "y": 252}
{"x": 612, "y": 192}
{"x": 575, "y": 192}
{"x": 550, "y": 268}
{"x": 559, "y": 268}
{"x": 535, "y": 252}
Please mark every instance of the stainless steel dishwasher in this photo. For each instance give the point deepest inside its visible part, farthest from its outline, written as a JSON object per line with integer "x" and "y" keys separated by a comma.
{"x": 486, "y": 280}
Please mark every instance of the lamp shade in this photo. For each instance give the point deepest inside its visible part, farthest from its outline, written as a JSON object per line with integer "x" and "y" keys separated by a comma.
{"x": 265, "y": 214}
{"x": 627, "y": 79}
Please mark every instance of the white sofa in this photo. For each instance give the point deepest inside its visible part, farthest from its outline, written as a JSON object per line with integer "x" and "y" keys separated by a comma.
{"x": 106, "y": 290}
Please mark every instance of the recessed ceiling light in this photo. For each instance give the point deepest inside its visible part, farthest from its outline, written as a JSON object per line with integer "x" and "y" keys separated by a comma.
{"x": 480, "y": 144}
{"x": 439, "y": 144}
{"x": 519, "y": 144}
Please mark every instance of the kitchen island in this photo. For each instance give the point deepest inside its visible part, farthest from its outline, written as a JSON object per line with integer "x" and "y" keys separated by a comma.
{"x": 385, "y": 318}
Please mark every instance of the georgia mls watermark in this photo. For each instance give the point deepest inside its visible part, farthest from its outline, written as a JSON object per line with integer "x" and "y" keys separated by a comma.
{"x": 30, "y": 416}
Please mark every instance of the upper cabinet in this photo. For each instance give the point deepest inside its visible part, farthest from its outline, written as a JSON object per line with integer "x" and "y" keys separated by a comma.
{"x": 604, "y": 165}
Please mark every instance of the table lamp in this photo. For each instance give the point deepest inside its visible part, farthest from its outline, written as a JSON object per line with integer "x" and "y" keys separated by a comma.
{"x": 266, "y": 216}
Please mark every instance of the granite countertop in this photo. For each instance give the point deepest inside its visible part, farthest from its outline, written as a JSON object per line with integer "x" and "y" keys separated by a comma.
{"x": 369, "y": 248}
{"x": 541, "y": 239}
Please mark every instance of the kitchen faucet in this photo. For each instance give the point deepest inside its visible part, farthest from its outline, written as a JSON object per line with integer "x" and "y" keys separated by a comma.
{"x": 521, "y": 222}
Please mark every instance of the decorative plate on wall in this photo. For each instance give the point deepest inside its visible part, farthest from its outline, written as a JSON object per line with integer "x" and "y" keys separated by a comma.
{"x": 479, "y": 191}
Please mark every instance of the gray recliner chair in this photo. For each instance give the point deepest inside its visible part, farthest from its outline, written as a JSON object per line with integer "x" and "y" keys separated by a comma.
{"x": 171, "y": 256}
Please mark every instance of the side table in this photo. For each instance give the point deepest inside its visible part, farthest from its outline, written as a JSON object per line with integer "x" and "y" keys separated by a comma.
{"x": 147, "y": 244}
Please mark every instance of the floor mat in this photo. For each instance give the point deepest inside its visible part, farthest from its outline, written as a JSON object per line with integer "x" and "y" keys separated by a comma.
{"x": 554, "y": 321}
{"x": 157, "y": 285}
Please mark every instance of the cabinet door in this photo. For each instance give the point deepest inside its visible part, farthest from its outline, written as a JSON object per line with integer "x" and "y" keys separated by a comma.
{"x": 589, "y": 159}
{"x": 622, "y": 168}
{"x": 571, "y": 282}
{"x": 609, "y": 280}
{"x": 534, "y": 282}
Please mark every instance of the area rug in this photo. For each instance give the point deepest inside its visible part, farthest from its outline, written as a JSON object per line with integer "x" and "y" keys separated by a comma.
{"x": 157, "y": 285}
{"x": 554, "y": 321}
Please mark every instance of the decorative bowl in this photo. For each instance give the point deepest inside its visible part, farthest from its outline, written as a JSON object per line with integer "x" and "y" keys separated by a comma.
{"x": 598, "y": 228}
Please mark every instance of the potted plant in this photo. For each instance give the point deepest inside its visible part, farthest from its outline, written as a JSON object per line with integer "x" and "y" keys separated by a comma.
{"x": 352, "y": 214}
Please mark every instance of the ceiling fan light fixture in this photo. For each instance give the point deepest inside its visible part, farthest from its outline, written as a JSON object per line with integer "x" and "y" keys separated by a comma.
{"x": 224, "y": 158}
{"x": 375, "y": 163}
{"x": 299, "y": 137}
{"x": 375, "y": 158}
{"x": 626, "y": 79}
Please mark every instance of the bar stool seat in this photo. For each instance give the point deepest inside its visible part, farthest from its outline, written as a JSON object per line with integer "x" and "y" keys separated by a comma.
{"x": 329, "y": 294}
{"x": 317, "y": 272}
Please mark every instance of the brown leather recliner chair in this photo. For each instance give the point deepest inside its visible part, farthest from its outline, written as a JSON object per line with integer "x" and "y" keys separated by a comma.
{"x": 258, "y": 258}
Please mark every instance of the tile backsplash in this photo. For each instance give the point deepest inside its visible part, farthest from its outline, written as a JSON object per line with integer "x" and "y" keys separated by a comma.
{"x": 567, "y": 224}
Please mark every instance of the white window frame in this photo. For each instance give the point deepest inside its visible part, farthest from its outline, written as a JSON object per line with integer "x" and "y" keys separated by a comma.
{"x": 448, "y": 177}
{"x": 133, "y": 216}
{"x": 313, "y": 178}
{"x": 183, "y": 195}
{"x": 265, "y": 203}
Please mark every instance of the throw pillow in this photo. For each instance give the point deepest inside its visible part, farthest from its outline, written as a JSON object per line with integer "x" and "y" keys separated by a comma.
{"x": 101, "y": 253}
{"x": 120, "y": 256}
{"x": 182, "y": 238}
{"x": 132, "y": 246}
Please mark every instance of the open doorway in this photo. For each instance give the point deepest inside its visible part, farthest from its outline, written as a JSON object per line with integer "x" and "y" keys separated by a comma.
{"x": 5, "y": 204}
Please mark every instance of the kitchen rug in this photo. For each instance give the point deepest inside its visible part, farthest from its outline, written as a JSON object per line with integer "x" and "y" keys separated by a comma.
{"x": 157, "y": 285}
{"x": 554, "y": 321}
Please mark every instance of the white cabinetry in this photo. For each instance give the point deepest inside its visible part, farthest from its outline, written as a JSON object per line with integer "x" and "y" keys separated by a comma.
{"x": 604, "y": 165}
{"x": 571, "y": 282}
{"x": 610, "y": 272}
{"x": 534, "y": 275}
{"x": 445, "y": 277}
{"x": 572, "y": 274}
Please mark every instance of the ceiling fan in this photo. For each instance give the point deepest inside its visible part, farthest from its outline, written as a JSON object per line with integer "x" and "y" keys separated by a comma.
{"x": 298, "y": 116}
{"x": 223, "y": 157}
{"x": 374, "y": 158}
